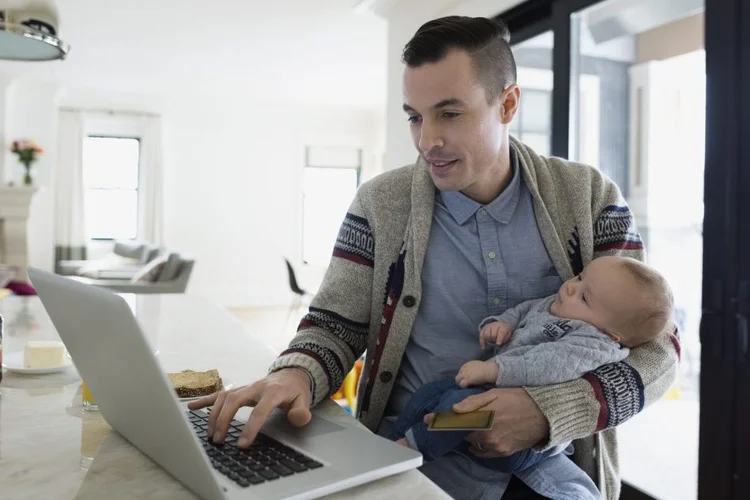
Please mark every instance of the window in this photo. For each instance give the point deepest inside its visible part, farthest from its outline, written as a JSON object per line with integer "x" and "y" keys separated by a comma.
{"x": 532, "y": 123}
{"x": 330, "y": 181}
{"x": 110, "y": 174}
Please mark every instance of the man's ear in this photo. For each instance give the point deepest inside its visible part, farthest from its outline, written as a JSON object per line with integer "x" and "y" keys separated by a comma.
{"x": 509, "y": 101}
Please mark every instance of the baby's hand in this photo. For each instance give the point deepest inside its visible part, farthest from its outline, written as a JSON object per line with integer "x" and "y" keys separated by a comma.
{"x": 497, "y": 332}
{"x": 477, "y": 373}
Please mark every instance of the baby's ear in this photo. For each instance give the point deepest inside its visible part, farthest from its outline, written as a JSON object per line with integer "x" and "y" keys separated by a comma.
{"x": 613, "y": 335}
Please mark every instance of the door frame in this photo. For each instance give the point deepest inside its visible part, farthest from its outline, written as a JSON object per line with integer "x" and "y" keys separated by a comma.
{"x": 741, "y": 476}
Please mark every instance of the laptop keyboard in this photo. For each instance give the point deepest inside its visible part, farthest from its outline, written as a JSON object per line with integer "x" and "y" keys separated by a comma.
{"x": 265, "y": 460}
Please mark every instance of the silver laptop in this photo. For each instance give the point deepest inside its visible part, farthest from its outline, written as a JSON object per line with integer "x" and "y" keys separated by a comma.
{"x": 135, "y": 397}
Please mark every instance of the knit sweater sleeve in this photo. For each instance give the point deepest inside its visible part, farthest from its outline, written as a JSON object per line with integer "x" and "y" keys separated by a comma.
{"x": 613, "y": 393}
{"x": 333, "y": 334}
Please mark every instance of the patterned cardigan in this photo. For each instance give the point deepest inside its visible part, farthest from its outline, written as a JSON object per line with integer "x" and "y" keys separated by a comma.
{"x": 370, "y": 295}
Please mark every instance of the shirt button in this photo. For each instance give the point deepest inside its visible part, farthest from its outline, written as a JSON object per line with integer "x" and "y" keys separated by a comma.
{"x": 409, "y": 301}
{"x": 386, "y": 377}
{"x": 492, "y": 255}
{"x": 496, "y": 301}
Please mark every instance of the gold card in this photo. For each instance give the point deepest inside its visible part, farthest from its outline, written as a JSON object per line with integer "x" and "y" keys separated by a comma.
{"x": 474, "y": 421}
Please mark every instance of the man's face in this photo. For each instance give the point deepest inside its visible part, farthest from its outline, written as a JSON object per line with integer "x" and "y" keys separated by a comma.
{"x": 458, "y": 133}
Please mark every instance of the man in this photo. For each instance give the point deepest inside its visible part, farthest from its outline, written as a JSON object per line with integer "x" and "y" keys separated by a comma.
{"x": 416, "y": 268}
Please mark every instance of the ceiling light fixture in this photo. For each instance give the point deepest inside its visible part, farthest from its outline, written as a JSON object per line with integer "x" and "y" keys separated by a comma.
{"x": 30, "y": 36}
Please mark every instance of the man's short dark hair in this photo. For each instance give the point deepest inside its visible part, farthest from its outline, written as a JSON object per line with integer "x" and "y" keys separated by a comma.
{"x": 486, "y": 41}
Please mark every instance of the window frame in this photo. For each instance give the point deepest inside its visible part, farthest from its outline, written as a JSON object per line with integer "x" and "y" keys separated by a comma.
{"x": 358, "y": 171}
{"x": 139, "y": 181}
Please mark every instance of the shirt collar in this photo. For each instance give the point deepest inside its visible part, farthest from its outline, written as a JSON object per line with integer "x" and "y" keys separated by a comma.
{"x": 462, "y": 208}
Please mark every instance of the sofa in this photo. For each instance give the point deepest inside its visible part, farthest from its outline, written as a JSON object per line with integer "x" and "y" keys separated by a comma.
{"x": 125, "y": 260}
{"x": 134, "y": 267}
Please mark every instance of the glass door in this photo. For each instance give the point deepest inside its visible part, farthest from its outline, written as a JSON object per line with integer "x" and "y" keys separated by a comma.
{"x": 654, "y": 93}
{"x": 533, "y": 122}
{"x": 637, "y": 111}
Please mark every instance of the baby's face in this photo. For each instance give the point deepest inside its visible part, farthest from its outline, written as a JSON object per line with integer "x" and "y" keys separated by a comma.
{"x": 604, "y": 295}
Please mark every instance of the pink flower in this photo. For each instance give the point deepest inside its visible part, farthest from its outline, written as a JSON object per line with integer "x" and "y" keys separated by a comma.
{"x": 25, "y": 147}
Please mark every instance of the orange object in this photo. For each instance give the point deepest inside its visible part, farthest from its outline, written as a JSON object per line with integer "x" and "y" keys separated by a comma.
{"x": 348, "y": 389}
{"x": 86, "y": 393}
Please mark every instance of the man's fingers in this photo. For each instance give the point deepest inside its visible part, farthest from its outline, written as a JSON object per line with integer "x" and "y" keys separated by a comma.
{"x": 482, "y": 453}
{"x": 298, "y": 413}
{"x": 215, "y": 410}
{"x": 483, "y": 446}
{"x": 474, "y": 402}
{"x": 258, "y": 417}
{"x": 428, "y": 418}
{"x": 476, "y": 445}
{"x": 232, "y": 402}
{"x": 474, "y": 437}
{"x": 203, "y": 402}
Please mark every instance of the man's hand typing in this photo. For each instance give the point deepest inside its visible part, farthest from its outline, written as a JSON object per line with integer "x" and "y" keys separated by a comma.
{"x": 288, "y": 389}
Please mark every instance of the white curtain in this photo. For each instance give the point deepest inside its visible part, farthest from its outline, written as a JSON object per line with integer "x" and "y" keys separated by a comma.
{"x": 70, "y": 228}
{"x": 152, "y": 191}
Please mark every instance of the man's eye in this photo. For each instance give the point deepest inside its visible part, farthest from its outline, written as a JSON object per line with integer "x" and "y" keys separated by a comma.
{"x": 579, "y": 278}
{"x": 414, "y": 119}
{"x": 583, "y": 298}
{"x": 450, "y": 115}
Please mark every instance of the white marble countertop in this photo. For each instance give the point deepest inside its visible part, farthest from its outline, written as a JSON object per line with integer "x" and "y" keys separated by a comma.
{"x": 51, "y": 448}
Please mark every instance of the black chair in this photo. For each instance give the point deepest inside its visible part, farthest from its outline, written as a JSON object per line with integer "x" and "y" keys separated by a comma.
{"x": 299, "y": 293}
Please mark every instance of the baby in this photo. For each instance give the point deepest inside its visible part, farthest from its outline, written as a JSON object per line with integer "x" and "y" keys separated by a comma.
{"x": 615, "y": 304}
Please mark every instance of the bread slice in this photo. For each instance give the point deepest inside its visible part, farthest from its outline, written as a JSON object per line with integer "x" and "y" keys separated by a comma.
{"x": 192, "y": 384}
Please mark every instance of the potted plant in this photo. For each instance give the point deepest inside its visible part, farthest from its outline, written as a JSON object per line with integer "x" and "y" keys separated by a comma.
{"x": 28, "y": 152}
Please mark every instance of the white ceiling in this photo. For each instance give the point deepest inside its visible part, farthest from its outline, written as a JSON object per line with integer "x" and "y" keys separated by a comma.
{"x": 315, "y": 51}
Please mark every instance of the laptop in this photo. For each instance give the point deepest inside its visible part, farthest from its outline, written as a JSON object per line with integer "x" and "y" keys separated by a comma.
{"x": 134, "y": 395}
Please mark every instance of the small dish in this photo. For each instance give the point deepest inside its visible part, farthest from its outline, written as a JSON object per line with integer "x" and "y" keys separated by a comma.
{"x": 13, "y": 362}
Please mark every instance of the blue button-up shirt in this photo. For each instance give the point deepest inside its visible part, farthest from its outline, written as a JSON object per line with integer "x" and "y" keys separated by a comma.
{"x": 480, "y": 260}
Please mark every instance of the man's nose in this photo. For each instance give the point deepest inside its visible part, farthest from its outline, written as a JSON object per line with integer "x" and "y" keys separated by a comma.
{"x": 570, "y": 287}
{"x": 429, "y": 138}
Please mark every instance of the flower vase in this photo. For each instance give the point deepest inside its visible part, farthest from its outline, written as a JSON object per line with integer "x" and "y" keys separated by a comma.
{"x": 27, "y": 179}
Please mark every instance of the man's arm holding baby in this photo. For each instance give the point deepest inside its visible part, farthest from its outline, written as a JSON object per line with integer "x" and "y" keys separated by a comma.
{"x": 611, "y": 394}
{"x": 602, "y": 398}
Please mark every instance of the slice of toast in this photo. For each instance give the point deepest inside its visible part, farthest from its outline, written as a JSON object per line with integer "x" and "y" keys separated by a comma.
{"x": 192, "y": 384}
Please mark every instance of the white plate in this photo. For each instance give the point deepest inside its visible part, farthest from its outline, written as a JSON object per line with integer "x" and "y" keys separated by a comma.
{"x": 228, "y": 384}
{"x": 13, "y": 362}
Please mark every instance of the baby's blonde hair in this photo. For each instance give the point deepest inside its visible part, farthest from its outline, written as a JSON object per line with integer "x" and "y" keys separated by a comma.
{"x": 652, "y": 319}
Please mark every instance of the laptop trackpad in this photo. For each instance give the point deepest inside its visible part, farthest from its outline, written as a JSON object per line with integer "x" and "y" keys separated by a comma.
{"x": 315, "y": 428}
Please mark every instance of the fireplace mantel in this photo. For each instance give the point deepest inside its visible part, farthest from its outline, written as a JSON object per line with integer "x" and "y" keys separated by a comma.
{"x": 14, "y": 216}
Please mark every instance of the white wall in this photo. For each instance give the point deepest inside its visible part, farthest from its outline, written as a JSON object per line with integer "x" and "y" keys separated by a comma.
{"x": 403, "y": 21}
{"x": 31, "y": 113}
{"x": 233, "y": 189}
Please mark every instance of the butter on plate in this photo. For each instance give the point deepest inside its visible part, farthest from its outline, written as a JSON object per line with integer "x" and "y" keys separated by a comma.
{"x": 43, "y": 354}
